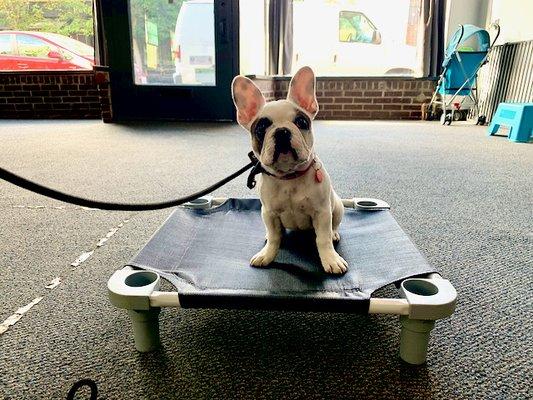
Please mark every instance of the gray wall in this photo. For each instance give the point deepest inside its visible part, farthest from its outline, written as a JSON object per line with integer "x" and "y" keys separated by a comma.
{"x": 459, "y": 12}
{"x": 513, "y": 16}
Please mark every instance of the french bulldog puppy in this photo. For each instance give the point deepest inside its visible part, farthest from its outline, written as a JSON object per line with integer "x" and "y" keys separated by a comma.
{"x": 295, "y": 189}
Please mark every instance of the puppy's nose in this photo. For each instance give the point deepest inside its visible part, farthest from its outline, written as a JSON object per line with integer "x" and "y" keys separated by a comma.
{"x": 283, "y": 138}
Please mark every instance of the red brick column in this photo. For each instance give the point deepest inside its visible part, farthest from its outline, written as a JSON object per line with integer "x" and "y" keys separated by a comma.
{"x": 101, "y": 79}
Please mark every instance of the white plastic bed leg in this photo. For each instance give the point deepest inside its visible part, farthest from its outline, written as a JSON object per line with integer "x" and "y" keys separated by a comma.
{"x": 429, "y": 300}
{"x": 414, "y": 339}
{"x": 145, "y": 329}
{"x": 131, "y": 290}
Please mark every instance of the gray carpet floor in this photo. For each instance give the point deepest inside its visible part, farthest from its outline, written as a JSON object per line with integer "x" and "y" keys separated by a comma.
{"x": 465, "y": 199}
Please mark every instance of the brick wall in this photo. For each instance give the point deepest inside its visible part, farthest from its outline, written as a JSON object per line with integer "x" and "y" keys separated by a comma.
{"x": 361, "y": 98}
{"x": 268, "y": 87}
{"x": 86, "y": 94}
{"x": 53, "y": 94}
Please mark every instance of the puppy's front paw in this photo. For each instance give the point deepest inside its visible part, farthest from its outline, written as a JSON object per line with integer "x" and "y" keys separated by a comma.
{"x": 264, "y": 257}
{"x": 334, "y": 264}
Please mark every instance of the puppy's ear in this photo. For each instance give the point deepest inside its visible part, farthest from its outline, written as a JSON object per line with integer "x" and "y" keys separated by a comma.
{"x": 248, "y": 100}
{"x": 302, "y": 90}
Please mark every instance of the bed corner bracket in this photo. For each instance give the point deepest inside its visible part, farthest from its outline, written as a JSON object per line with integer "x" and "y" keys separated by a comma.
{"x": 131, "y": 290}
{"x": 429, "y": 300}
{"x": 366, "y": 204}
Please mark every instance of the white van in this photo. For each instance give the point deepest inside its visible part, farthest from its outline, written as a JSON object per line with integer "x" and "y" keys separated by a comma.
{"x": 353, "y": 37}
{"x": 194, "y": 44}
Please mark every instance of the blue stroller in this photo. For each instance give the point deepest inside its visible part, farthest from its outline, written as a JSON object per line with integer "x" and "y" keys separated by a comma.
{"x": 456, "y": 93}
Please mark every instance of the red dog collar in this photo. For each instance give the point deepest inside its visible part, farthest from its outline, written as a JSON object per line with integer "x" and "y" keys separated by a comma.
{"x": 296, "y": 174}
{"x": 259, "y": 169}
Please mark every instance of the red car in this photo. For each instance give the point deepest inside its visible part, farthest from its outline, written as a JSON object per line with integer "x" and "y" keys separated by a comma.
{"x": 21, "y": 51}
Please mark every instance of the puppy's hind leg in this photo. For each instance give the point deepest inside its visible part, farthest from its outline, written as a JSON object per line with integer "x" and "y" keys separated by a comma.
{"x": 337, "y": 214}
{"x": 273, "y": 240}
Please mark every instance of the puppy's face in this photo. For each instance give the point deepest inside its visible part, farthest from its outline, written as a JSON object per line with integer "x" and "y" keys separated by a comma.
{"x": 282, "y": 137}
{"x": 281, "y": 131}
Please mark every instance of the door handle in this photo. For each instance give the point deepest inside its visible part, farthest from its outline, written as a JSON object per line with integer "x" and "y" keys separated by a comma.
{"x": 222, "y": 30}
{"x": 22, "y": 65}
{"x": 222, "y": 22}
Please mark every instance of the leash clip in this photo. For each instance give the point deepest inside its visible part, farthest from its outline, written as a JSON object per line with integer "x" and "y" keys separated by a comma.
{"x": 256, "y": 169}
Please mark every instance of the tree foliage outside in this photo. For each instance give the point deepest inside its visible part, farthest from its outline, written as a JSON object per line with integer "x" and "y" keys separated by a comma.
{"x": 164, "y": 14}
{"x": 73, "y": 18}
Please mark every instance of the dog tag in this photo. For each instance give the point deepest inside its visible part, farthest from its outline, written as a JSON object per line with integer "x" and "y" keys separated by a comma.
{"x": 319, "y": 176}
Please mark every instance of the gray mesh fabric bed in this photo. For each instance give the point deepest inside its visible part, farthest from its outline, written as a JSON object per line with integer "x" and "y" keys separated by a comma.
{"x": 205, "y": 253}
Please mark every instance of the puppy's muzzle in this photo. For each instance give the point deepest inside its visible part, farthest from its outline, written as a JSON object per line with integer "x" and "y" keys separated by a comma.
{"x": 282, "y": 140}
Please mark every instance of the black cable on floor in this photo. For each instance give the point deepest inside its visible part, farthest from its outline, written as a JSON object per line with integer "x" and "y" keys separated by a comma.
{"x": 102, "y": 205}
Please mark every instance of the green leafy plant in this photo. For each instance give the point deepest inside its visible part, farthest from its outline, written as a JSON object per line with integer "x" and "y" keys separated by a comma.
{"x": 67, "y": 17}
{"x": 164, "y": 14}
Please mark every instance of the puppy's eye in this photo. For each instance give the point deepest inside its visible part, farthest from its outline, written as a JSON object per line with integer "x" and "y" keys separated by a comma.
{"x": 260, "y": 127}
{"x": 301, "y": 122}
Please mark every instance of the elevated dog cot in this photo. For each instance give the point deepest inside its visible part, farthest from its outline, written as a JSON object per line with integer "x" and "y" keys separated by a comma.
{"x": 204, "y": 249}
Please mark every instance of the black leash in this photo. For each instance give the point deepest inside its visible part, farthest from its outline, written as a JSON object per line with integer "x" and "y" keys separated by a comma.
{"x": 102, "y": 205}
{"x": 21, "y": 182}
{"x": 81, "y": 383}
{"x": 256, "y": 170}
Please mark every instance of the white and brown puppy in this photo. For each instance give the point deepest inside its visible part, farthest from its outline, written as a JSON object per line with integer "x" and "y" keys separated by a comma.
{"x": 296, "y": 193}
